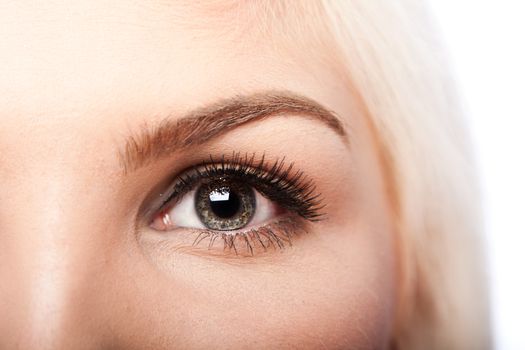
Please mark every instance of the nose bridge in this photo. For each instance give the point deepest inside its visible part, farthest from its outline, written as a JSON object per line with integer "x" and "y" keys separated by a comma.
{"x": 52, "y": 271}
{"x": 51, "y": 248}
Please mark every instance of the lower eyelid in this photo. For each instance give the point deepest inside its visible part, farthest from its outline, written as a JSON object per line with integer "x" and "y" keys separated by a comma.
{"x": 264, "y": 240}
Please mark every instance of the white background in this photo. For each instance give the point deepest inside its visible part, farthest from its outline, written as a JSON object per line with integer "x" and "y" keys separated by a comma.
{"x": 486, "y": 40}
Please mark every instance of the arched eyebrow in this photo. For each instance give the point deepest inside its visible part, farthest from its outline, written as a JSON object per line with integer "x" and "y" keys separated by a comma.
{"x": 208, "y": 122}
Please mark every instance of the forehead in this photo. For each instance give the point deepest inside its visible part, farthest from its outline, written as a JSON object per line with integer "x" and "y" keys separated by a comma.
{"x": 63, "y": 54}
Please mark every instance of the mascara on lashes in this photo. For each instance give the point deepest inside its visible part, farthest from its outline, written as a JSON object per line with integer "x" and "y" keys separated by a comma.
{"x": 290, "y": 189}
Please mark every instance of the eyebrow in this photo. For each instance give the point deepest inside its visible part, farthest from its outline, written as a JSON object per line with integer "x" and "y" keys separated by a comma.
{"x": 208, "y": 122}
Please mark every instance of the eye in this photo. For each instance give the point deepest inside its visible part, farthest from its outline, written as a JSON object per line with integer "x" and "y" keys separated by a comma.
{"x": 240, "y": 199}
{"x": 218, "y": 205}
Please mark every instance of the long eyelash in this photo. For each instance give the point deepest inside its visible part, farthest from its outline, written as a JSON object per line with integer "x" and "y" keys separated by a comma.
{"x": 279, "y": 182}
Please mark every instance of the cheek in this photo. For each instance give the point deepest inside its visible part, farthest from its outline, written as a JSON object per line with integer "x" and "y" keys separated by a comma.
{"x": 333, "y": 289}
{"x": 338, "y": 297}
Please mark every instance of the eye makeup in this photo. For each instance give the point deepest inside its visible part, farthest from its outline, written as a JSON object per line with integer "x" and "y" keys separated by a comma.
{"x": 225, "y": 208}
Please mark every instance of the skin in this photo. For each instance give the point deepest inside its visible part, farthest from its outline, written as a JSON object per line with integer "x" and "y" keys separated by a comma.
{"x": 78, "y": 272}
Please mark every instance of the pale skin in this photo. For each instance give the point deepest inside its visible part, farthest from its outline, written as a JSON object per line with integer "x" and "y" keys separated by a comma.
{"x": 80, "y": 266}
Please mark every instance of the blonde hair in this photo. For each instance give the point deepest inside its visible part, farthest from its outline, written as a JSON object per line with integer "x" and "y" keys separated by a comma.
{"x": 395, "y": 65}
{"x": 398, "y": 68}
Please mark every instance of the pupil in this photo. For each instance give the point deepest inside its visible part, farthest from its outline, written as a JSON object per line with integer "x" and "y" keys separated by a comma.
{"x": 224, "y": 203}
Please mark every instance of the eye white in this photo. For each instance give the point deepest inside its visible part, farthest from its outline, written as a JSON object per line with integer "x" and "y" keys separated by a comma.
{"x": 183, "y": 214}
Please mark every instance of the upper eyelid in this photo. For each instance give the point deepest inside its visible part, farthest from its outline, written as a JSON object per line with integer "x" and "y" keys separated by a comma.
{"x": 235, "y": 161}
{"x": 200, "y": 176}
{"x": 303, "y": 187}
{"x": 208, "y": 164}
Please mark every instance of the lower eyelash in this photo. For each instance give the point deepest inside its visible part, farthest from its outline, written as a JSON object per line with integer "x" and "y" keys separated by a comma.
{"x": 275, "y": 235}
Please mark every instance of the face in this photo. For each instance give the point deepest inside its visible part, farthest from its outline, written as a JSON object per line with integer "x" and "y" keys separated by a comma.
{"x": 179, "y": 175}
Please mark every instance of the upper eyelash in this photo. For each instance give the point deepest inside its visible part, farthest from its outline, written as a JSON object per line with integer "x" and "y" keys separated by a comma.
{"x": 279, "y": 182}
